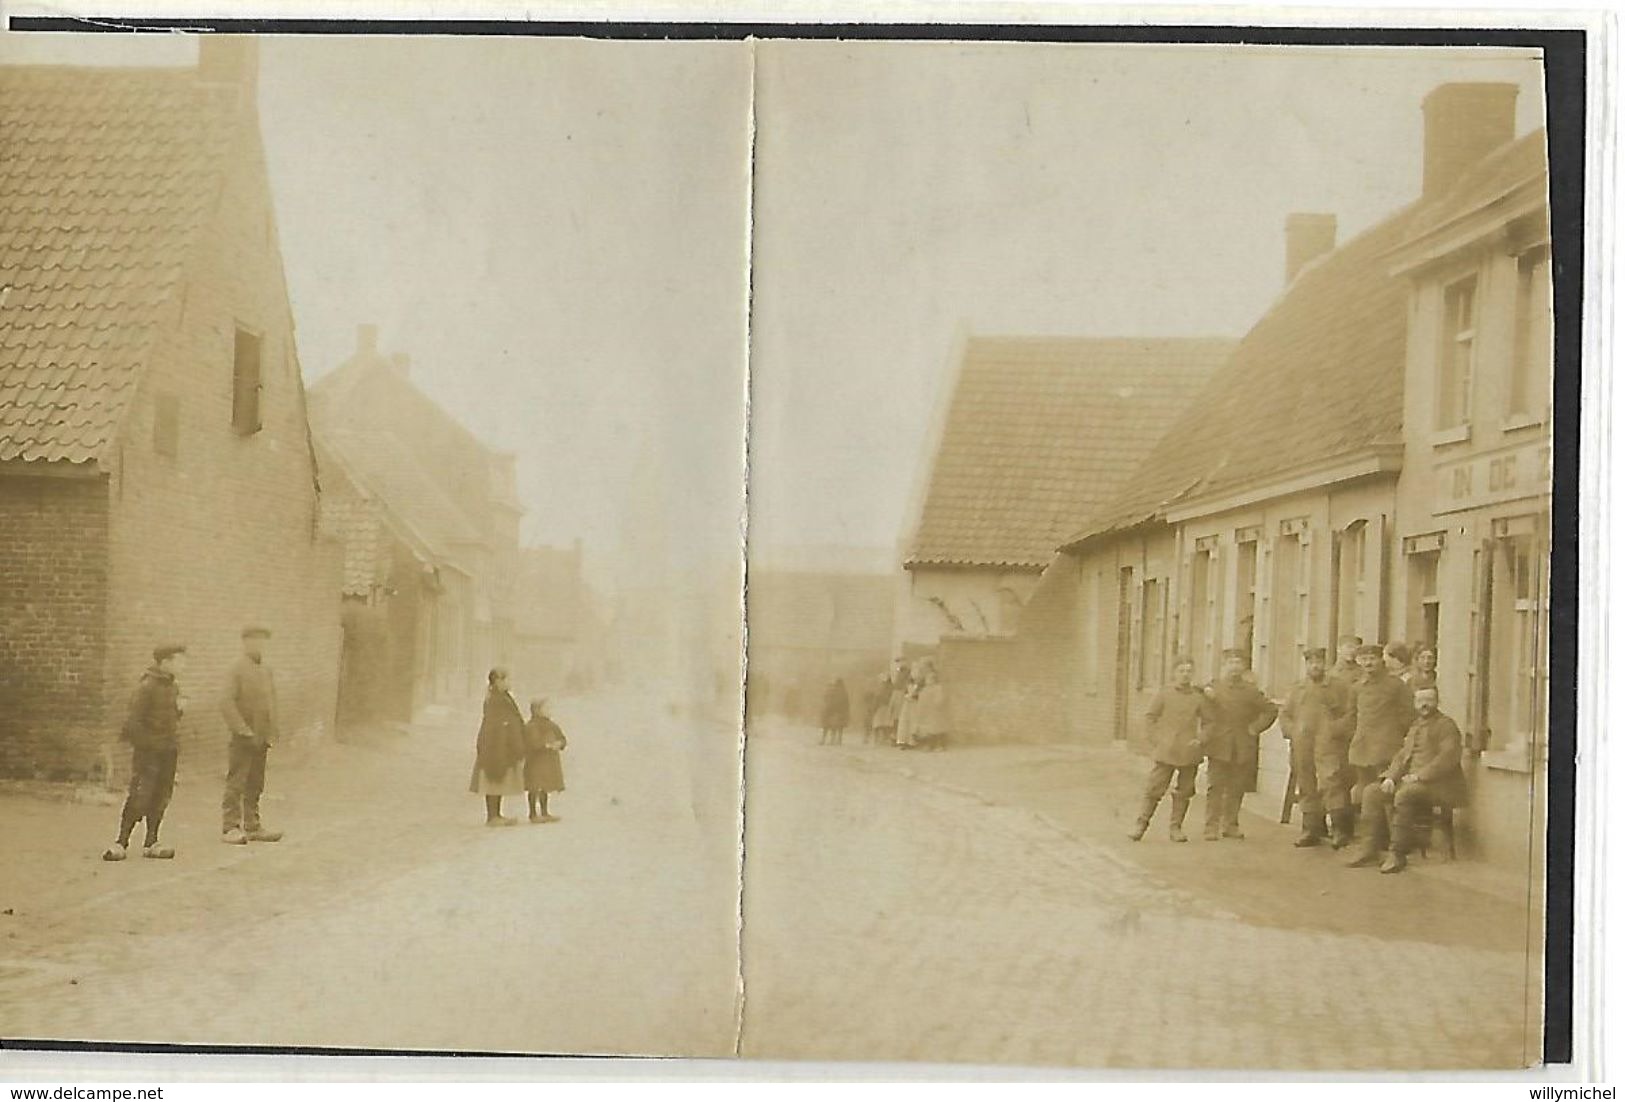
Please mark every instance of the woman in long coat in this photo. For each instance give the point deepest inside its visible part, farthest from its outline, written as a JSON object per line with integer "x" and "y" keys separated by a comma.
{"x": 499, "y": 753}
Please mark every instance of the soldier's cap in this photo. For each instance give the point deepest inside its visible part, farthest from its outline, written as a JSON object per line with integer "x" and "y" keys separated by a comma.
{"x": 168, "y": 650}
{"x": 253, "y": 631}
{"x": 1311, "y": 654}
{"x": 1350, "y": 640}
{"x": 1237, "y": 652}
{"x": 1368, "y": 648}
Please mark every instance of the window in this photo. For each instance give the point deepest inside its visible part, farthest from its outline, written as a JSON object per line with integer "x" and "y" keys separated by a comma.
{"x": 246, "y": 383}
{"x": 1246, "y": 593}
{"x": 1351, "y": 579}
{"x": 1527, "y": 389}
{"x": 1456, "y": 354}
{"x": 1151, "y": 656}
{"x": 166, "y": 425}
{"x": 1424, "y": 626}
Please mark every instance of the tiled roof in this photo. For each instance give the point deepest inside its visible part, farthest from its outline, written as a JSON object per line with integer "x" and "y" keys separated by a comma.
{"x": 391, "y": 473}
{"x": 106, "y": 176}
{"x": 1321, "y": 376}
{"x": 818, "y": 610}
{"x": 1040, "y": 433}
{"x": 1516, "y": 162}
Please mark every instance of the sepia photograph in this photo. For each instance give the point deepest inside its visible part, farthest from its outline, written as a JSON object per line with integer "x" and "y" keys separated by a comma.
{"x": 1013, "y": 554}
{"x": 1149, "y": 530}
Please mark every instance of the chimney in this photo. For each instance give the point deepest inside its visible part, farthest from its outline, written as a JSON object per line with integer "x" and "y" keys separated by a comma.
{"x": 366, "y": 340}
{"x": 1308, "y": 237}
{"x": 1461, "y": 124}
{"x": 229, "y": 59}
{"x": 402, "y": 363}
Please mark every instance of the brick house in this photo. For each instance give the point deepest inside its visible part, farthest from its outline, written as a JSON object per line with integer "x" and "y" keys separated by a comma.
{"x": 429, "y": 517}
{"x": 1038, "y": 432}
{"x": 157, "y": 480}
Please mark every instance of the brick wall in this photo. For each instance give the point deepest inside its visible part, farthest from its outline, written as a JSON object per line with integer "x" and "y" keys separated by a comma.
{"x": 53, "y": 583}
{"x": 225, "y": 533}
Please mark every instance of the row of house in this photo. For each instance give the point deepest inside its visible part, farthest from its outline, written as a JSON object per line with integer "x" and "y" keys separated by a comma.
{"x": 164, "y": 475}
{"x": 1372, "y": 458}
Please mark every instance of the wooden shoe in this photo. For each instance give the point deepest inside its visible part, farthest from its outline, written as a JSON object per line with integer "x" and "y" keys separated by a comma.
{"x": 235, "y": 837}
{"x": 114, "y": 852}
{"x": 161, "y": 853}
{"x": 260, "y": 834}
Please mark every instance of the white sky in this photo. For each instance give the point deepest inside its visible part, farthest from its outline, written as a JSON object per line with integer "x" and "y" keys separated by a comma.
{"x": 554, "y": 230}
{"x": 1101, "y": 190}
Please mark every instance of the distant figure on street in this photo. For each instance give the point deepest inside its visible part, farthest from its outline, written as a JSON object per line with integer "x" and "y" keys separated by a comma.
{"x": 890, "y": 694}
{"x": 1425, "y": 773}
{"x": 1312, "y": 719}
{"x": 931, "y": 718}
{"x": 837, "y": 712}
{"x": 499, "y": 753}
{"x": 1241, "y": 712}
{"x": 544, "y": 766}
{"x": 152, "y": 730}
{"x": 913, "y": 683}
{"x": 1174, "y": 722}
{"x": 249, "y": 706}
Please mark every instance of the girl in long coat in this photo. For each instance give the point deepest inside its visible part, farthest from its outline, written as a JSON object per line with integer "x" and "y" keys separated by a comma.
{"x": 544, "y": 768}
{"x": 499, "y": 752}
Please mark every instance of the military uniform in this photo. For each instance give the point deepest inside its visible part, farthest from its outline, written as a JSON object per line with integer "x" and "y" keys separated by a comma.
{"x": 1431, "y": 754}
{"x": 1312, "y": 718}
{"x": 1383, "y": 711}
{"x": 1240, "y": 712}
{"x": 1174, "y": 723}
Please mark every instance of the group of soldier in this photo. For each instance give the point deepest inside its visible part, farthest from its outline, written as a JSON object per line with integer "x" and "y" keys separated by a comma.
{"x": 1372, "y": 755}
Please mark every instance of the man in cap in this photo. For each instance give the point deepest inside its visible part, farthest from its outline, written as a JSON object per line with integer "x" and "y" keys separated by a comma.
{"x": 1311, "y": 718}
{"x": 1347, "y": 669}
{"x": 1240, "y": 713}
{"x": 1425, "y": 773}
{"x": 152, "y": 728}
{"x": 249, "y": 706}
{"x": 1382, "y": 712}
{"x": 1175, "y": 723}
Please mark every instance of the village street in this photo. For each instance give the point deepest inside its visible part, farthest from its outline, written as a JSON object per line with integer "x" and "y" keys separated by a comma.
{"x": 390, "y": 917}
{"x": 896, "y": 910}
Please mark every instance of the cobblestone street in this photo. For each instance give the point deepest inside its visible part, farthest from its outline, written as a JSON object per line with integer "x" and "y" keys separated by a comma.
{"x": 890, "y": 916}
{"x": 391, "y": 918}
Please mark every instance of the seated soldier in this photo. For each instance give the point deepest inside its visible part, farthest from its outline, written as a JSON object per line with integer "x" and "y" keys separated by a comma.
{"x": 1397, "y": 811}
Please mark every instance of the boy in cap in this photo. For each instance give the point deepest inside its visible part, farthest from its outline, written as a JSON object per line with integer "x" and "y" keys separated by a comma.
{"x": 1174, "y": 725}
{"x": 1241, "y": 712}
{"x": 1426, "y": 773}
{"x": 249, "y": 707}
{"x": 152, "y": 730}
{"x": 1312, "y": 719}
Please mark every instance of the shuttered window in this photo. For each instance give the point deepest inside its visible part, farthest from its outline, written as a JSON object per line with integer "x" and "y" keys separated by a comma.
{"x": 247, "y": 383}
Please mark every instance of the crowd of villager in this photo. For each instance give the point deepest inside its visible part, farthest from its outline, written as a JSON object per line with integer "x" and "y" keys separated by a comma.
{"x": 1374, "y": 760}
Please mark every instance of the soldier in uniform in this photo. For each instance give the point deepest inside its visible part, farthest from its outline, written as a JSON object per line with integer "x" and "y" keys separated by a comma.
{"x": 1397, "y": 657}
{"x": 1174, "y": 722}
{"x": 1381, "y": 713}
{"x": 1424, "y": 774}
{"x": 1240, "y": 713}
{"x": 1312, "y": 718}
{"x": 1346, "y": 669}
